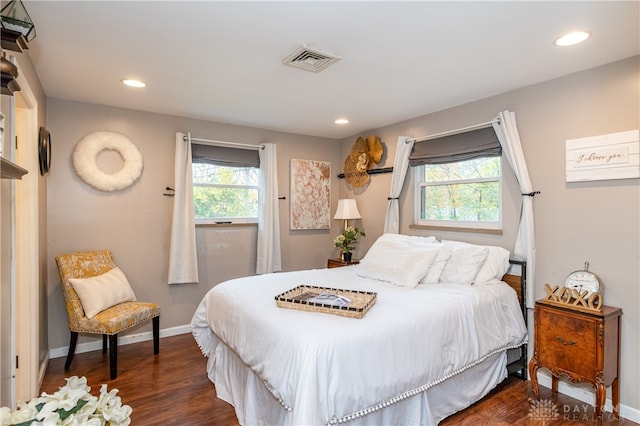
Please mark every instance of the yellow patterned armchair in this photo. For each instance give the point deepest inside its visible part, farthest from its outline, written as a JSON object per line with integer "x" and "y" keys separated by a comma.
{"x": 92, "y": 274}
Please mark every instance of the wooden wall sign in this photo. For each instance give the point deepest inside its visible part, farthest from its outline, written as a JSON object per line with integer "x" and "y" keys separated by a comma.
{"x": 611, "y": 156}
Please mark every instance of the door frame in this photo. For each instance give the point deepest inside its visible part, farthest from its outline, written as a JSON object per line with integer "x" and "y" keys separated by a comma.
{"x": 27, "y": 277}
{"x": 8, "y": 267}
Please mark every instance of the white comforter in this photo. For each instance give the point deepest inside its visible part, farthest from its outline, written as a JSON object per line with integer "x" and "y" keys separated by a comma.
{"x": 325, "y": 367}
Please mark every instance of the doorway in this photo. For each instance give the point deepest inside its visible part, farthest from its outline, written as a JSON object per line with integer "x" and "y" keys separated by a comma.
{"x": 7, "y": 266}
{"x": 20, "y": 368}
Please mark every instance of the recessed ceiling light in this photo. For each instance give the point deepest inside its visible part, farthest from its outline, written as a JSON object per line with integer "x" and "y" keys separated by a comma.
{"x": 341, "y": 121}
{"x": 133, "y": 83}
{"x": 572, "y": 38}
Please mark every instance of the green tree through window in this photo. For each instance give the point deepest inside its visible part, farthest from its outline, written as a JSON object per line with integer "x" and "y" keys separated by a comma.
{"x": 225, "y": 193}
{"x": 466, "y": 192}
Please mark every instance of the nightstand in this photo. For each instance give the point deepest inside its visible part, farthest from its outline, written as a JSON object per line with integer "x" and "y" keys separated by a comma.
{"x": 338, "y": 263}
{"x": 583, "y": 347}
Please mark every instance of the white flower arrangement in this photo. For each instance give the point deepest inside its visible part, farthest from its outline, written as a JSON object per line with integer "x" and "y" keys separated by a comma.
{"x": 71, "y": 405}
{"x": 348, "y": 238}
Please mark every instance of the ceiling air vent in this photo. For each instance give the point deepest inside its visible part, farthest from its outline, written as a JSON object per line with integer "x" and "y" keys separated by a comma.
{"x": 309, "y": 59}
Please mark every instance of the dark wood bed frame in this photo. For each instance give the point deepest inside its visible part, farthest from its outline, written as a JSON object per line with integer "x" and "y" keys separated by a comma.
{"x": 518, "y": 367}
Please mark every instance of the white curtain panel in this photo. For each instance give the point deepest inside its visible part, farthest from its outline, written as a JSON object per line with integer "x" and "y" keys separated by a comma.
{"x": 525, "y": 246}
{"x": 183, "y": 260}
{"x": 400, "y": 166}
{"x": 268, "y": 250}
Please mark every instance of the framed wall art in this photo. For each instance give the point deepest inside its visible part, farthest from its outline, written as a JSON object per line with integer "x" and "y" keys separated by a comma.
{"x": 603, "y": 157}
{"x": 310, "y": 193}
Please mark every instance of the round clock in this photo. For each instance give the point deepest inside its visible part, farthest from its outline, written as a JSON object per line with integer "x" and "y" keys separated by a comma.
{"x": 582, "y": 280}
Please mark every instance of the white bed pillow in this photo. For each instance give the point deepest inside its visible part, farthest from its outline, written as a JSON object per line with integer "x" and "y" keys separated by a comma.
{"x": 494, "y": 267}
{"x": 396, "y": 262}
{"x": 463, "y": 264}
{"x": 409, "y": 240}
{"x": 102, "y": 291}
{"x": 433, "y": 275}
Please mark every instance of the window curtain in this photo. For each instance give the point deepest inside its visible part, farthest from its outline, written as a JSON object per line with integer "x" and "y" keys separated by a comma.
{"x": 183, "y": 260}
{"x": 400, "y": 166}
{"x": 525, "y": 247}
{"x": 268, "y": 250}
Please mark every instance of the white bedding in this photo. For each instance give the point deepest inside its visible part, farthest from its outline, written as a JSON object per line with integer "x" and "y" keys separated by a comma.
{"x": 326, "y": 368}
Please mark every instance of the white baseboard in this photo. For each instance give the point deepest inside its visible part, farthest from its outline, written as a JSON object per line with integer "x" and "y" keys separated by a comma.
{"x": 122, "y": 340}
{"x": 587, "y": 395}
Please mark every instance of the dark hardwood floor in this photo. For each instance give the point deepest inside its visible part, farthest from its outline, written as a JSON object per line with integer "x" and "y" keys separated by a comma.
{"x": 172, "y": 389}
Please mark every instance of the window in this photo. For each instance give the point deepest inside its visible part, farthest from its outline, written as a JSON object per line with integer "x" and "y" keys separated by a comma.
{"x": 459, "y": 180}
{"x": 460, "y": 194}
{"x": 225, "y": 184}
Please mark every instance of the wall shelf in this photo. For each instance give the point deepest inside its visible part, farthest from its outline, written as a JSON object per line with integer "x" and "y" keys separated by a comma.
{"x": 373, "y": 172}
{"x": 10, "y": 170}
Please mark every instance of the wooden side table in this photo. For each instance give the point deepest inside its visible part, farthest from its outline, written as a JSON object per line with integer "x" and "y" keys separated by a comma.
{"x": 581, "y": 346}
{"x": 338, "y": 263}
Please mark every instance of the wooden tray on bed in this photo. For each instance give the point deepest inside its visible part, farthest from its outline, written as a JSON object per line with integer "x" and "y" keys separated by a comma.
{"x": 347, "y": 303}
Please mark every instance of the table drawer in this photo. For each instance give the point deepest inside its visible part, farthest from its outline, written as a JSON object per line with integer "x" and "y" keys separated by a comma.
{"x": 567, "y": 342}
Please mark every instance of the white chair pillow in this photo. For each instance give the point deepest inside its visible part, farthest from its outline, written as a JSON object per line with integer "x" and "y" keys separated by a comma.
{"x": 102, "y": 291}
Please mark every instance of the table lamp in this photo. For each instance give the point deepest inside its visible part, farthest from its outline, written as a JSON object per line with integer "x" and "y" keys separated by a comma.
{"x": 347, "y": 209}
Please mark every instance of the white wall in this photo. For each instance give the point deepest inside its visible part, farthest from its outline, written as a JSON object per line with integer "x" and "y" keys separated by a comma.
{"x": 135, "y": 223}
{"x": 597, "y": 221}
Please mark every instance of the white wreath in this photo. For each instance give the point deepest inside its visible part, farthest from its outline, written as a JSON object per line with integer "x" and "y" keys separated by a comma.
{"x": 86, "y": 153}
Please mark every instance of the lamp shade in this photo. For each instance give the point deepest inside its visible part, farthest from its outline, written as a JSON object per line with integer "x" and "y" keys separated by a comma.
{"x": 347, "y": 209}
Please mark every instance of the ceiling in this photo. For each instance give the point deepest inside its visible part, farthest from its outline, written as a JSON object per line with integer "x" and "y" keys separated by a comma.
{"x": 221, "y": 61}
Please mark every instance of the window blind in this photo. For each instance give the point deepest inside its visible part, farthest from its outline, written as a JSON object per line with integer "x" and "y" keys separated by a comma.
{"x": 224, "y": 156}
{"x": 454, "y": 148}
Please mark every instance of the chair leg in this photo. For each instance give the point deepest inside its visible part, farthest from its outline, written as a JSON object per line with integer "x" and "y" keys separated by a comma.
{"x": 104, "y": 343}
{"x": 113, "y": 355}
{"x": 156, "y": 334}
{"x": 72, "y": 350}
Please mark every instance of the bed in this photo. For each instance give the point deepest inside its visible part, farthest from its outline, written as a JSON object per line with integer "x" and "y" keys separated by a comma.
{"x": 430, "y": 346}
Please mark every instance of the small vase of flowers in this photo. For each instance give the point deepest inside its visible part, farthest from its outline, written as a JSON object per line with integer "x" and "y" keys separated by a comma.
{"x": 346, "y": 241}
